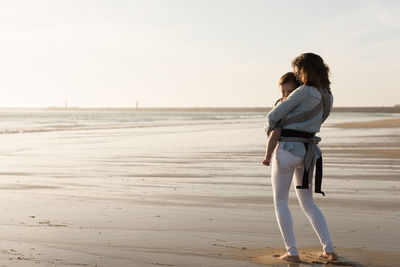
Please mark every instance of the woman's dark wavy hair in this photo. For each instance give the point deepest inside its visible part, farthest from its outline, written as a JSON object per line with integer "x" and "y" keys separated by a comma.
{"x": 312, "y": 70}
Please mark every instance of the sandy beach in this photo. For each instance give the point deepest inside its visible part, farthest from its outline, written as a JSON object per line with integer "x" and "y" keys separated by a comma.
{"x": 191, "y": 195}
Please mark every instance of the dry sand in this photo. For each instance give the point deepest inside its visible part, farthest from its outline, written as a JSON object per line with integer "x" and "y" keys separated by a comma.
{"x": 312, "y": 256}
{"x": 188, "y": 196}
{"x": 386, "y": 123}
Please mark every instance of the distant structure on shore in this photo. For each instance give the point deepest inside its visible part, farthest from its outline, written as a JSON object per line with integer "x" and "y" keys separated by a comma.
{"x": 66, "y": 104}
{"x": 137, "y": 104}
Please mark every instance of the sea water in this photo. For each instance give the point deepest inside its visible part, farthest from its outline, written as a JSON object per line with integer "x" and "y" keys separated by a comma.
{"x": 42, "y": 120}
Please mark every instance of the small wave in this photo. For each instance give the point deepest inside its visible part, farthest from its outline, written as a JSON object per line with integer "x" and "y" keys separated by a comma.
{"x": 121, "y": 126}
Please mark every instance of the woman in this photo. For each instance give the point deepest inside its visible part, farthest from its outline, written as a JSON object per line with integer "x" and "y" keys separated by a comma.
{"x": 291, "y": 156}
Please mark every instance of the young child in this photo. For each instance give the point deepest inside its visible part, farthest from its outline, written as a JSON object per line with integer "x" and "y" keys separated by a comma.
{"x": 287, "y": 83}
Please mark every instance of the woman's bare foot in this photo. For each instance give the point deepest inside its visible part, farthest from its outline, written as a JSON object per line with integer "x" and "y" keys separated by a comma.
{"x": 332, "y": 256}
{"x": 287, "y": 257}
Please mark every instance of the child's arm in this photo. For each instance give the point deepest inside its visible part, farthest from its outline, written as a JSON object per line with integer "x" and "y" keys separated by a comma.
{"x": 271, "y": 144}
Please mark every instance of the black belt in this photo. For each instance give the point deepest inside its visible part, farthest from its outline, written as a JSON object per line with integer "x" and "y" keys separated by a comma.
{"x": 318, "y": 163}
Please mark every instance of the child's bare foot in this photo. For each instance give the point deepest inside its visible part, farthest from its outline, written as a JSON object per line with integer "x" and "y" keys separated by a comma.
{"x": 266, "y": 162}
{"x": 332, "y": 256}
{"x": 287, "y": 257}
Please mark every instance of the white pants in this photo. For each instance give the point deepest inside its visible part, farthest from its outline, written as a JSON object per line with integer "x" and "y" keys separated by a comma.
{"x": 284, "y": 165}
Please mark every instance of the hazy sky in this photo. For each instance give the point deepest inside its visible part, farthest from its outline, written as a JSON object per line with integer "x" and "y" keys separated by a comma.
{"x": 192, "y": 52}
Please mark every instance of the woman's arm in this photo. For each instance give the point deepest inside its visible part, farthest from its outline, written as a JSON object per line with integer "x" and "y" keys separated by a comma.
{"x": 295, "y": 98}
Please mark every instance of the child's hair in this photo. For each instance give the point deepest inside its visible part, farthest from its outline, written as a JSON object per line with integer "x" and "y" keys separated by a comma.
{"x": 289, "y": 78}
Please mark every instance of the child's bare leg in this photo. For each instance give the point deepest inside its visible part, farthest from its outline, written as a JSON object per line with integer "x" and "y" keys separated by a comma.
{"x": 273, "y": 139}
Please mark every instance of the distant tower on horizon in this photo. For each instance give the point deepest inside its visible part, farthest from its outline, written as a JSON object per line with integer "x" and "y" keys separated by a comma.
{"x": 137, "y": 104}
{"x": 66, "y": 104}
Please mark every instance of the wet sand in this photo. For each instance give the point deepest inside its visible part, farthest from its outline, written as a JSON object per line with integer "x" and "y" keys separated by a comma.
{"x": 192, "y": 195}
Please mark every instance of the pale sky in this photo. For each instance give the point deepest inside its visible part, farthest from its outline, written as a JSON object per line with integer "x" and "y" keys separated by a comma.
{"x": 188, "y": 53}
